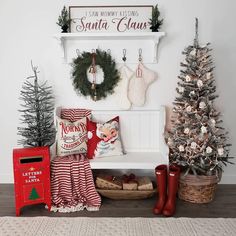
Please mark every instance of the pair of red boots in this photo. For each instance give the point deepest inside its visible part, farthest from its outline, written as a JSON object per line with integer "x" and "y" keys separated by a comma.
{"x": 167, "y": 199}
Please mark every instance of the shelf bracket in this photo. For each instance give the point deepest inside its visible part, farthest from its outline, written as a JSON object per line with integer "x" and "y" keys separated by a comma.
{"x": 156, "y": 45}
{"x": 61, "y": 42}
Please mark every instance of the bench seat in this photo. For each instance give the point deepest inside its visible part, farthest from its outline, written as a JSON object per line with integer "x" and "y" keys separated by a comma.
{"x": 131, "y": 160}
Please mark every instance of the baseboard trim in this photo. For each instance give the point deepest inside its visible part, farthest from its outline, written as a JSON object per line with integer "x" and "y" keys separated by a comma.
{"x": 6, "y": 179}
{"x": 226, "y": 179}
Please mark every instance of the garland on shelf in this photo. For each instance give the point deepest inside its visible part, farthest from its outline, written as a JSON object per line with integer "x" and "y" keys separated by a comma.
{"x": 89, "y": 61}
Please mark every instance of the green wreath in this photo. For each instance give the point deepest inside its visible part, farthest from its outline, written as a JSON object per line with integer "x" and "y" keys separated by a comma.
{"x": 79, "y": 74}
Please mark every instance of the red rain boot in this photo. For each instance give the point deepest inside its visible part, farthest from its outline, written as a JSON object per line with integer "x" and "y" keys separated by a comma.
{"x": 161, "y": 172}
{"x": 173, "y": 181}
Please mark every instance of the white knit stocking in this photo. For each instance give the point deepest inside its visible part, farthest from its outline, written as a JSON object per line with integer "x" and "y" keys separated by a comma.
{"x": 122, "y": 88}
{"x": 139, "y": 84}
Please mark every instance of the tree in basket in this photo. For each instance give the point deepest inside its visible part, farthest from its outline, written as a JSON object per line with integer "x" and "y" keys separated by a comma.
{"x": 37, "y": 113}
{"x": 64, "y": 20}
{"x": 197, "y": 141}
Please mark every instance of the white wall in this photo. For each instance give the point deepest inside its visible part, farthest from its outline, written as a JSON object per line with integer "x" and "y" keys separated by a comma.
{"x": 27, "y": 28}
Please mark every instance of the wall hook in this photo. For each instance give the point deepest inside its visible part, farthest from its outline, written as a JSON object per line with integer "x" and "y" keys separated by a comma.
{"x": 78, "y": 52}
{"x": 140, "y": 54}
{"x": 124, "y": 55}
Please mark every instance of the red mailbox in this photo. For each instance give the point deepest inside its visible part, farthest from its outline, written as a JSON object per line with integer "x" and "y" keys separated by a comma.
{"x": 31, "y": 177}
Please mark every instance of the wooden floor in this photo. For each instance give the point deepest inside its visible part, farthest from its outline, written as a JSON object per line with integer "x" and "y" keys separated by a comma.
{"x": 224, "y": 205}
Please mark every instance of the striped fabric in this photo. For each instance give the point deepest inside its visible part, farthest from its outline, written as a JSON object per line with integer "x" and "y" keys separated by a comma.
{"x": 74, "y": 114}
{"x": 72, "y": 184}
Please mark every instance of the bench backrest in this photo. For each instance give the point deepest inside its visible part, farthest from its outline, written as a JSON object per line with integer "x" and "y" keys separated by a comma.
{"x": 141, "y": 131}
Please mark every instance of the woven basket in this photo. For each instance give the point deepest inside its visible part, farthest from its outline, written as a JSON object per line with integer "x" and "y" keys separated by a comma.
{"x": 197, "y": 189}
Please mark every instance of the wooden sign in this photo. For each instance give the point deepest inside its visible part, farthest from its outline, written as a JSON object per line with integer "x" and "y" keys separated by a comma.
{"x": 90, "y": 19}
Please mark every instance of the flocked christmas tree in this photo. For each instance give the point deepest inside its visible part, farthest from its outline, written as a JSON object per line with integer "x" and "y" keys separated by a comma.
{"x": 197, "y": 140}
{"x": 37, "y": 113}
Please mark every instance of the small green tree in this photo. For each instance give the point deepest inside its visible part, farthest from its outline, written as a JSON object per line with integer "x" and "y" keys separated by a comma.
{"x": 64, "y": 20}
{"x": 33, "y": 195}
{"x": 155, "y": 22}
{"x": 37, "y": 113}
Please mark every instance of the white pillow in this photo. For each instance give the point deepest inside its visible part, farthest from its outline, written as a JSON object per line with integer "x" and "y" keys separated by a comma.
{"x": 71, "y": 137}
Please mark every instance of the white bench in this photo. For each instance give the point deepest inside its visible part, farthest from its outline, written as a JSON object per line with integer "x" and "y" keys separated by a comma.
{"x": 142, "y": 138}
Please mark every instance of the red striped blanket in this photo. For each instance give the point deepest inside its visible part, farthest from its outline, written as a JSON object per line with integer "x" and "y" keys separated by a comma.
{"x": 72, "y": 184}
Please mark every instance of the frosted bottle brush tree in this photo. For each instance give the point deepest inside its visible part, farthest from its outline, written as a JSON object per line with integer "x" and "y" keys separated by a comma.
{"x": 197, "y": 140}
{"x": 36, "y": 113}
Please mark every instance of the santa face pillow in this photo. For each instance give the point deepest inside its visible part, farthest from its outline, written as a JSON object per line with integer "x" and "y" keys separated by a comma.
{"x": 71, "y": 137}
{"x": 104, "y": 138}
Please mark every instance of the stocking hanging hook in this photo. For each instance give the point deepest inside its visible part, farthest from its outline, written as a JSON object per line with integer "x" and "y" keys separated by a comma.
{"x": 140, "y": 54}
{"x": 124, "y": 55}
{"x": 78, "y": 52}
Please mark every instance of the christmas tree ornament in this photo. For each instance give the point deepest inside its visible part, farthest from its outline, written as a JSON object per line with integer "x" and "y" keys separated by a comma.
{"x": 181, "y": 89}
{"x": 208, "y": 75}
{"x": 186, "y": 130}
{"x": 193, "y": 52}
{"x": 193, "y": 145}
{"x": 220, "y": 151}
{"x": 188, "y": 78}
{"x": 188, "y": 108}
{"x": 202, "y": 105}
{"x": 181, "y": 148}
{"x": 169, "y": 141}
{"x": 208, "y": 150}
{"x": 93, "y": 63}
{"x": 199, "y": 83}
{"x": 213, "y": 122}
{"x": 204, "y": 129}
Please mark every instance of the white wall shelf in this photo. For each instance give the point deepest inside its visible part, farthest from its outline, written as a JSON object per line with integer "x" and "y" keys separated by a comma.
{"x": 153, "y": 36}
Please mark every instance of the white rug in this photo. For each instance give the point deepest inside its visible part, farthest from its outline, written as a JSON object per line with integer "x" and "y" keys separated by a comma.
{"x": 48, "y": 226}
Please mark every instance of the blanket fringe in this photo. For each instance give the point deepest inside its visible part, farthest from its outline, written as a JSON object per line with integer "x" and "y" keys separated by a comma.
{"x": 79, "y": 207}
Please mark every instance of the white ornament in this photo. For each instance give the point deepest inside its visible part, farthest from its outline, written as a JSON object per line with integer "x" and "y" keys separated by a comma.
{"x": 213, "y": 122}
{"x": 169, "y": 142}
{"x": 193, "y": 145}
{"x": 199, "y": 83}
{"x": 208, "y": 75}
{"x": 193, "y": 52}
{"x": 192, "y": 93}
{"x": 189, "y": 109}
{"x": 90, "y": 134}
{"x": 181, "y": 148}
{"x": 208, "y": 150}
{"x": 181, "y": 89}
{"x": 186, "y": 130}
{"x": 187, "y": 78}
{"x": 202, "y": 105}
{"x": 220, "y": 151}
{"x": 204, "y": 129}
{"x": 122, "y": 88}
